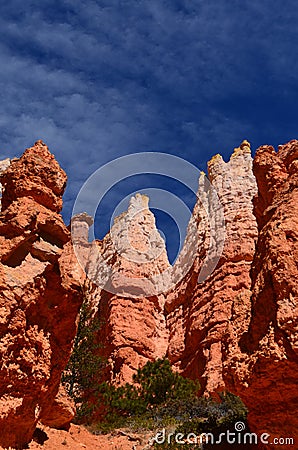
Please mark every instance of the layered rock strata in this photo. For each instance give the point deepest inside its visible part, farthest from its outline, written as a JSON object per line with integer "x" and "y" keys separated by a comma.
{"x": 124, "y": 267}
{"x": 199, "y": 312}
{"x": 40, "y": 295}
{"x": 262, "y": 367}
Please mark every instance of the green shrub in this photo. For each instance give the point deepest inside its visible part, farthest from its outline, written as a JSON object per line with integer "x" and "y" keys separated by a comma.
{"x": 161, "y": 398}
{"x": 159, "y": 384}
{"x": 155, "y": 384}
{"x": 80, "y": 377}
{"x": 158, "y": 397}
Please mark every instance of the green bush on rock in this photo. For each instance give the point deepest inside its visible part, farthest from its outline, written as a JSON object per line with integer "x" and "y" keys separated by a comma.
{"x": 154, "y": 386}
{"x": 80, "y": 377}
{"x": 160, "y": 397}
{"x": 157, "y": 398}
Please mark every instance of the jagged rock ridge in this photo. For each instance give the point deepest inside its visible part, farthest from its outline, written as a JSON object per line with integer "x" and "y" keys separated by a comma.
{"x": 205, "y": 310}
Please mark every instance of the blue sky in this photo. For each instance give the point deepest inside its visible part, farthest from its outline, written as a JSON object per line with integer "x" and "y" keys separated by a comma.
{"x": 96, "y": 80}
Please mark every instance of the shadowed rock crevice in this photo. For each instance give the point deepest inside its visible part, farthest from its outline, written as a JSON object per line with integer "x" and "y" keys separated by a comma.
{"x": 19, "y": 253}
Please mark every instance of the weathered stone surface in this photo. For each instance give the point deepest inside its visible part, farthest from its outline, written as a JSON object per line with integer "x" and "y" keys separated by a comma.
{"x": 124, "y": 265}
{"x": 40, "y": 293}
{"x": 61, "y": 413}
{"x": 37, "y": 175}
{"x": 263, "y": 368}
{"x": 3, "y": 166}
{"x": 199, "y": 313}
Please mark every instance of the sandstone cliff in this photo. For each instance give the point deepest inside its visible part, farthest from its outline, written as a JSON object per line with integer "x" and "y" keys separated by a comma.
{"x": 40, "y": 295}
{"x": 238, "y": 329}
{"x": 199, "y": 314}
{"x": 261, "y": 366}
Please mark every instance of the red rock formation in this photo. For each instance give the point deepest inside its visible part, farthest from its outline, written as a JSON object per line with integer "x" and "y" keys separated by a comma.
{"x": 234, "y": 327}
{"x": 199, "y": 314}
{"x": 36, "y": 175}
{"x": 40, "y": 294}
{"x": 238, "y": 329}
{"x": 61, "y": 412}
{"x": 3, "y": 166}
{"x": 263, "y": 369}
{"x": 124, "y": 267}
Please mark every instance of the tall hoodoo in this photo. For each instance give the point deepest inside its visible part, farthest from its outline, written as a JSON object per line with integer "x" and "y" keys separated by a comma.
{"x": 124, "y": 265}
{"x": 200, "y": 314}
{"x": 264, "y": 371}
{"x": 40, "y": 295}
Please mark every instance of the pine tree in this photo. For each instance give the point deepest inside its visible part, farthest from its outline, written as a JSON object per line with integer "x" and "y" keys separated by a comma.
{"x": 81, "y": 375}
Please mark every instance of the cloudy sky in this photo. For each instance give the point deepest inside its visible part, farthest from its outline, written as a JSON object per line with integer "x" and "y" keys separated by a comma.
{"x": 97, "y": 80}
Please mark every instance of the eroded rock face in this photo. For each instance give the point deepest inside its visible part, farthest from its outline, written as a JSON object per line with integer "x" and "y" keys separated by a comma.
{"x": 234, "y": 328}
{"x": 36, "y": 175}
{"x": 3, "y": 166}
{"x": 40, "y": 293}
{"x": 263, "y": 368}
{"x": 61, "y": 412}
{"x": 237, "y": 330}
{"x": 124, "y": 267}
{"x": 200, "y": 314}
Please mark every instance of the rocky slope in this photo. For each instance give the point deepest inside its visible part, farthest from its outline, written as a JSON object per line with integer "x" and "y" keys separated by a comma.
{"x": 40, "y": 296}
